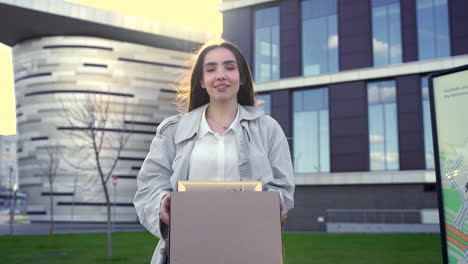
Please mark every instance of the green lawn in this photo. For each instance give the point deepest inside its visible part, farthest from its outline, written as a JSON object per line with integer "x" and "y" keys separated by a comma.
{"x": 300, "y": 249}
{"x": 362, "y": 249}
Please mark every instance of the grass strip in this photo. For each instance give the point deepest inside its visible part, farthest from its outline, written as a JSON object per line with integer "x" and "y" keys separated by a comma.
{"x": 138, "y": 247}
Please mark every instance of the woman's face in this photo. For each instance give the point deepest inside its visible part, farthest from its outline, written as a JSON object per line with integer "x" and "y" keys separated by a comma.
{"x": 220, "y": 75}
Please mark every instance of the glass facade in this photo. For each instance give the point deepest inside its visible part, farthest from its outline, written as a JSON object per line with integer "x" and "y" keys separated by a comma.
{"x": 428, "y": 147}
{"x": 311, "y": 137}
{"x": 383, "y": 126}
{"x": 266, "y": 102}
{"x": 267, "y": 44}
{"x": 386, "y": 32}
{"x": 320, "y": 42}
{"x": 433, "y": 29}
{"x": 319, "y": 37}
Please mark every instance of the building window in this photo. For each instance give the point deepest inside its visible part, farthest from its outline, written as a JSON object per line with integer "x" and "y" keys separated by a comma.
{"x": 433, "y": 29}
{"x": 386, "y": 32}
{"x": 319, "y": 37}
{"x": 383, "y": 126}
{"x": 428, "y": 147}
{"x": 311, "y": 131}
{"x": 267, "y": 44}
{"x": 265, "y": 102}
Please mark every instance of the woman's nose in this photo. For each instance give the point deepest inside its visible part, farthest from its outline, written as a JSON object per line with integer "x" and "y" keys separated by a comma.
{"x": 220, "y": 74}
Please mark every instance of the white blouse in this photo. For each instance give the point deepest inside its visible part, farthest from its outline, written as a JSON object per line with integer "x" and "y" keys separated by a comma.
{"x": 215, "y": 157}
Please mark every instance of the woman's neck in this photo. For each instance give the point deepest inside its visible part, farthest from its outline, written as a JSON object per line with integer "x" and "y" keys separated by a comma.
{"x": 222, "y": 113}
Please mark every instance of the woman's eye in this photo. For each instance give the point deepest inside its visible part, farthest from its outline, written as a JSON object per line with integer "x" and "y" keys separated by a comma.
{"x": 210, "y": 70}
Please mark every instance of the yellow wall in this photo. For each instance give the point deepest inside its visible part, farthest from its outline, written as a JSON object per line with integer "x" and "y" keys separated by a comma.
{"x": 7, "y": 98}
{"x": 190, "y": 13}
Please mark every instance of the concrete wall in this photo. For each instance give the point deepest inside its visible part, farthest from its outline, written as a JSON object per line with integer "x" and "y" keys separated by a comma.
{"x": 312, "y": 202}
{"x": 57, "y": 73}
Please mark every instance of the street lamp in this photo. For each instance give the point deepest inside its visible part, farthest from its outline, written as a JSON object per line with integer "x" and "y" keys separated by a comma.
{"x": 12, "y": 200}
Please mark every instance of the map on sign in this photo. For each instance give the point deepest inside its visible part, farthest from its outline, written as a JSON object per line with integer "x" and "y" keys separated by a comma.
{"x": 450, "y": 101}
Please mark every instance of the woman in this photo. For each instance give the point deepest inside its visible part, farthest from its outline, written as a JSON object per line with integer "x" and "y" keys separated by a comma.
{"x": 222, "y": 132}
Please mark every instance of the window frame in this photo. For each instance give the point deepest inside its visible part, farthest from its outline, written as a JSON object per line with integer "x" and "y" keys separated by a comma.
{"x": 426, "y": 117}
{"x": 254, "y": 40}
{"x": 387, "y": 4}
{"x": 435, "y": 52}
{"x": 329, "y": 52}
{"x": 319, "y": 157}
{"x": 395, "y": 131}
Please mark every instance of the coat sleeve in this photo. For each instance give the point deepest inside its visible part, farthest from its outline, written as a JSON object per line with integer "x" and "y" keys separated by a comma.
{"x": 153, "y": 181}
{"x": 281, "y": 165}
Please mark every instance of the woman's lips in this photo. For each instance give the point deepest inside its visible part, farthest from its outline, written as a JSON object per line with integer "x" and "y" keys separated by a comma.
{"x": 221, "y": 88}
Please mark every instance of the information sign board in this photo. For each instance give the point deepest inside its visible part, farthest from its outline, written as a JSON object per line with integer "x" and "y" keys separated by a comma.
{"x": 449, "y": 111}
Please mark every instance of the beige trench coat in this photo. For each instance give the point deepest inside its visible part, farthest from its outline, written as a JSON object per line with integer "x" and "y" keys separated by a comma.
{"x": 262, "y": 140}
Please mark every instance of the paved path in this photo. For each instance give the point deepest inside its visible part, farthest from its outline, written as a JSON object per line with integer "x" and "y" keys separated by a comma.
{"x": 65, "y": 228}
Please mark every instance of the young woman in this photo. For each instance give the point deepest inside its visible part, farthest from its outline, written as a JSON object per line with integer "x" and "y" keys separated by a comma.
{"x": 223, "y": 134}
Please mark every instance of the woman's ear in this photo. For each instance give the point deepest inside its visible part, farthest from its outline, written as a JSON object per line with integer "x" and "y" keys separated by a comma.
{"x": 202, "y": 84}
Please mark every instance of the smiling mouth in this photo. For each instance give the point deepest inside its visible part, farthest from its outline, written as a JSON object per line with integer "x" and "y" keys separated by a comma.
{"x": 221, "y": 87}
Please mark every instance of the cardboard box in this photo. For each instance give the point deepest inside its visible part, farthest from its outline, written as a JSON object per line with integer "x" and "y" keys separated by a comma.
{"x": 225, "y": 228}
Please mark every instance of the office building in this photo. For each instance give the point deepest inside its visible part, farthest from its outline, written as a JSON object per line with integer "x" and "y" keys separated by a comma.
{"x": 347, "y": 81}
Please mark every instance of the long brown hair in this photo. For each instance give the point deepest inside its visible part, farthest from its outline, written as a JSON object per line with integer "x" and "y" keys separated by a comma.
{"x": 191, "y": 95}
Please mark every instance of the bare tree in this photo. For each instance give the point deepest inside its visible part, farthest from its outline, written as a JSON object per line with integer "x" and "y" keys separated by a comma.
{"x": 97, "y": 125}
{"x": 48, "y": 167}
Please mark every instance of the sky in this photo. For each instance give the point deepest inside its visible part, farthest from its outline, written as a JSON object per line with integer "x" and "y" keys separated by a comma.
{"x": 197, "y": 14}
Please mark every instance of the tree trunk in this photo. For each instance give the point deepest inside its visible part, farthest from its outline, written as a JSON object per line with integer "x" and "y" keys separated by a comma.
{"x": 109, "y": 221}
{"x": 109, "y": 231}
{"x": 51, "y": 230}
{"x": 73, "y": 203}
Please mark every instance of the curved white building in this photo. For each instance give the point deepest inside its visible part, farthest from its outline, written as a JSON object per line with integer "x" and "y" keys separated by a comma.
{"x": 135, "y": 66}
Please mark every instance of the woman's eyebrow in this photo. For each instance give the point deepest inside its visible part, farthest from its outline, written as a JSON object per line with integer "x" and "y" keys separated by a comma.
{"x": 224, "y": 63}
{"x": 230, "y": 62}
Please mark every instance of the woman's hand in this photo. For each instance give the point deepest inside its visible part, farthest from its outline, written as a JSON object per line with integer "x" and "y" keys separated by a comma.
{"x": 283, "y": 211}
{"x": 165, "y": 212}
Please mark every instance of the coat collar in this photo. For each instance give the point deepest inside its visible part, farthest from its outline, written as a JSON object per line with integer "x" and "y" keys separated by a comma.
{"x": 190, "y": 122}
